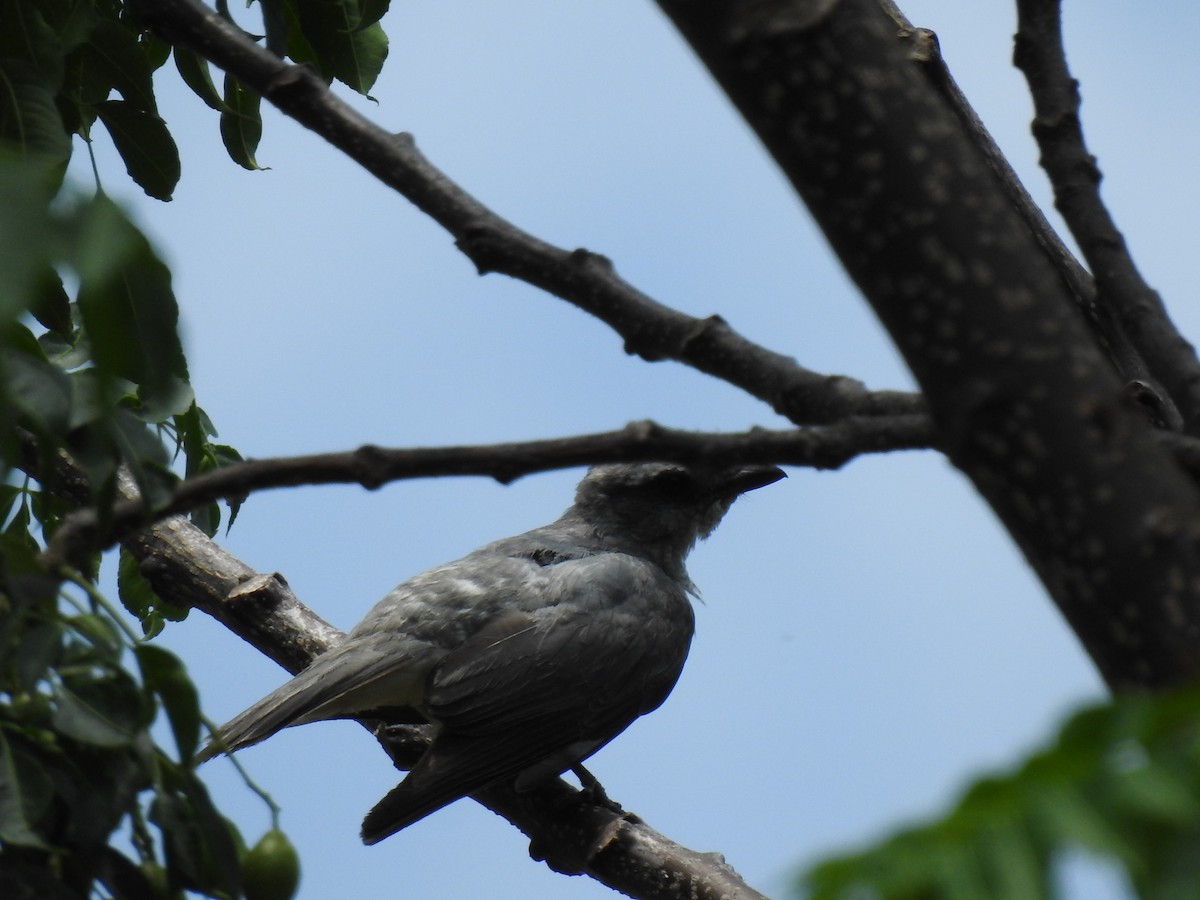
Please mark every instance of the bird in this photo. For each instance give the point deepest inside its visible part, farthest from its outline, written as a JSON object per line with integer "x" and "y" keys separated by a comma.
{"x": 528, "y": 654}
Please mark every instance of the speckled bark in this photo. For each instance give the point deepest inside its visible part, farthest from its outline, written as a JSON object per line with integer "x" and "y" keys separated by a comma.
{"x": 1024, "y": 401}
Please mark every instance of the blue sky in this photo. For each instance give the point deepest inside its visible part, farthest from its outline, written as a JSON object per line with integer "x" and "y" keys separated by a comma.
{"x": 868, "y": 640}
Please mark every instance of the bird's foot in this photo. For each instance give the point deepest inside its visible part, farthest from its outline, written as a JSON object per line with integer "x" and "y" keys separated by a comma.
{"x": 593, "y": 793}
{"x": 403, "y": 743}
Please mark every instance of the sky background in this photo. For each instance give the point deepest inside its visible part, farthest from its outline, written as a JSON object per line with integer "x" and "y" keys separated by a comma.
{"x": 869, "y": 640}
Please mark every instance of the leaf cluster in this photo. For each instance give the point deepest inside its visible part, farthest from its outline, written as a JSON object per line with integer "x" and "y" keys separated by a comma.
{"x": 78, "y": 761}
{"x": 1121, "y": 781}
{"x": 67, "y": 64}
{"x": 98, "y": 371}
{"x": 61, "y": 61}
{"x": 104, "y": 378}
{"x": 91, "y": 363}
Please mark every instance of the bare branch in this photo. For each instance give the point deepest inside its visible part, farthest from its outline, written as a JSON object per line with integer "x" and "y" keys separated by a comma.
{"x": 1073, "y": 173}
{"x": 820, "y": 446}
{"x": 650, "y": 329}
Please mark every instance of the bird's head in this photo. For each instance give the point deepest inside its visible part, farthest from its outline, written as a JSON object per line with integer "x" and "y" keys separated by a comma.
{"x": 663, "y": 507}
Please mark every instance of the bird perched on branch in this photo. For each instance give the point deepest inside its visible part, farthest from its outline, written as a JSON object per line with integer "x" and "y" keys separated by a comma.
{"x": 528, "y": 654}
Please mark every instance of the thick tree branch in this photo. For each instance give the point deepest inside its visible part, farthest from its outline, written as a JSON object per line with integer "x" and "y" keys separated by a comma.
{"x": 1075, "y": 177}
{"x": 587, "y": 280}
{"x": 925, "y": 50}
{"x": 1023, "y": 400}
{"x": 822, "y": 446}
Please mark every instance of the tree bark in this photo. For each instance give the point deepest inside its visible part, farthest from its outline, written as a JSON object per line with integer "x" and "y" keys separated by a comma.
{"x": 1023, "y": 400}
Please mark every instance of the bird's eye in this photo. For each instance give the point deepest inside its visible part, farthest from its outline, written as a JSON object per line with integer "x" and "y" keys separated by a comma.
{"x": 673, "y": 481}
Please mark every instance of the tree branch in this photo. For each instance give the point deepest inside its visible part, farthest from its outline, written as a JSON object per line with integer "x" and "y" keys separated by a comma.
{"x": 1075, "y": 177}
{"x": 1023, "y": 401}
{"x": 650, "y": 329}
{"x": 926, "y": 51}
{"x": 823, "y": 446}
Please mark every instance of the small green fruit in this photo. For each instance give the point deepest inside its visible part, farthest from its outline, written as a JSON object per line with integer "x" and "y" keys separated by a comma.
{"x": 271, "y": 868}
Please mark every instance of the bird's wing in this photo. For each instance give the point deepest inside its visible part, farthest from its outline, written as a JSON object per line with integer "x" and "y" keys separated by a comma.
{"x": 609, "y": 639}
{"x": 535, "y": 692}
{"x": 362, "y": 674}
{"x": 384, "y": 661}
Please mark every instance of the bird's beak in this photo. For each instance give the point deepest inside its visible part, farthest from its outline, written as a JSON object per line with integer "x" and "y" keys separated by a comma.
{"x": 750, "y": 478}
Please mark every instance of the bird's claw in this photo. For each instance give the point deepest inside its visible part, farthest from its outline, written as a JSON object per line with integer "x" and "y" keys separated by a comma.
{"x": 593, "y": 793}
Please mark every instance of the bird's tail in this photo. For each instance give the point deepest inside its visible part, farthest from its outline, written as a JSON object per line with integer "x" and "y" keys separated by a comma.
{"x": 357, "y": 677}
{"x": 282, "y": 707}
{"x": 402, "y": 806}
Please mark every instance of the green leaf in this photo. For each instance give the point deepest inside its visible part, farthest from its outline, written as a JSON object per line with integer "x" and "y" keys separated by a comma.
{"x": 20, "y": 520}
{"x": 275, "y": 26}
{"x": 72, "y": 20}
{"x": 1015, "y": 865}
{"x": 200, "y": 845}
{"x": 141, "y": 450}
{"x": 38, "y": 389}
{"x": 100, "y": 633}
{"x": 1067, "y": 818}
{"x": 26, "y": 36}
{"x": 957, "y": 873}
{"x": 192, "y": 438}
{"x": 157, "y": 50}
{"x": 51, "y": 305}
{"x": 165, "y": 674}
{"x": 335, "y": 36}
{"x": 65, "y": 353}
{"x": 21, "y": 780}
{"x": 31, "y": 72}
{"x": 134, "y": 591}
{"x": 30, "y": 240}
{"x": 8, "y": 496}
{"x": 87, "y": 400}
{"x": 18, "y": 554}
{"x": 138, "y": 596}
{"x": 30, "y": 121}
{"x": 112, "y": 58}
{"x": 193, "y": 430}
{"x": 241, "y": 123}
{"x": 1120, "y": 779}
{"x": 103, "y": 712}
{"x": 1154, "y": 793}
{"x": 362, "y": 59}
{"x": 124, "y": 879}
{"x": 99, "y": 787}
{"x": 159, "y": 404}
{"x": 146, "y": 146}
{"x": 40, "y": 647}
{"x": 197, "y": 76}
{"x": 371, "y": 11}
{"x": 126, "y": 301}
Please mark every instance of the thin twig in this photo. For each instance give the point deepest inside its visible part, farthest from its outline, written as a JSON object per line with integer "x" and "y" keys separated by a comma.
{"x": 650, "y": 329}
{"x": 819, "y": 446}
{"x": 1075, "y": 177}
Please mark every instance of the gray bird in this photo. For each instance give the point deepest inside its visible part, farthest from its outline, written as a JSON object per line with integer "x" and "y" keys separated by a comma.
{"x": 528, "y": 654}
